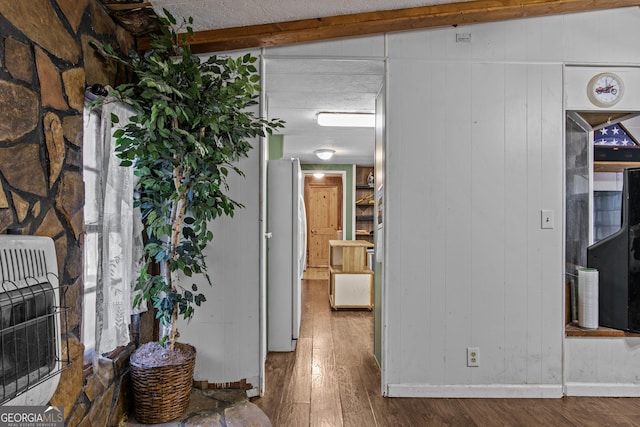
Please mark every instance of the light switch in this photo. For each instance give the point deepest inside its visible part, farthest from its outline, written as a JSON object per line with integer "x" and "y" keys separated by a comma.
{"x": 546, "y": 218}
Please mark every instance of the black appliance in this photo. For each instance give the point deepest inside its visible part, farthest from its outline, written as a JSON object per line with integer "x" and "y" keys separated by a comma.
{"x": 617, "y": 258}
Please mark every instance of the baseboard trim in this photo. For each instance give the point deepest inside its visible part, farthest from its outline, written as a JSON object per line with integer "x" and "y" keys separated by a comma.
{"x": 546, "y": 391}
{"x": 602, "y": 389}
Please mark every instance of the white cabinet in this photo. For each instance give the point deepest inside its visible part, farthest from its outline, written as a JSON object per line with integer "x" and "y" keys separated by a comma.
{"x": 351, "y": 279}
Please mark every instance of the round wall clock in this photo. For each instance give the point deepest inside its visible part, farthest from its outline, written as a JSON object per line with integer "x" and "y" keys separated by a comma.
{"x": 605, "y": 89}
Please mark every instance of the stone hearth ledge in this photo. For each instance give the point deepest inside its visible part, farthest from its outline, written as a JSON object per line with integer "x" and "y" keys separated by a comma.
{"x": 213, "y": 408}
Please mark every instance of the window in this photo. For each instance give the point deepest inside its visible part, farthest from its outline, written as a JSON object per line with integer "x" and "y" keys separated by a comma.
{"x": 113, "y": 238}
{"x": 91, "y": 159}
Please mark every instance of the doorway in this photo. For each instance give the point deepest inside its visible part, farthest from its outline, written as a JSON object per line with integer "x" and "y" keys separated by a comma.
{"x": 323, "y": 200}
{"x": 296, "y": 90}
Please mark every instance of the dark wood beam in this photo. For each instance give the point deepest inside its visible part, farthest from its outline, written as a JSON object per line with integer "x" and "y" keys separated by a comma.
{"x": 333, "y": 27}
{"x": 127, "y": 6}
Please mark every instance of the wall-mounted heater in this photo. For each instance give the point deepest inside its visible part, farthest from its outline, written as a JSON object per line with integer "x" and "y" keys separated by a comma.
{"x": 30, "y": 320}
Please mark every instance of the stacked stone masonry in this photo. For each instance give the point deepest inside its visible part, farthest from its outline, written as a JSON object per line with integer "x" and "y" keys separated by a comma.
{"x": 45, "y": 64}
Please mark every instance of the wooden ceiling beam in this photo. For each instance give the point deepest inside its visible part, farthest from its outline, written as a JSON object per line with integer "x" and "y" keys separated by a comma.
{"x": 333, "y": 27}
{"x": 127, "y": 6}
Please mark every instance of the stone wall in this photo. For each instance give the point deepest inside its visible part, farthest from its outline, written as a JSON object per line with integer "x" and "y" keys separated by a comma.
{"x": 45, "y": 64}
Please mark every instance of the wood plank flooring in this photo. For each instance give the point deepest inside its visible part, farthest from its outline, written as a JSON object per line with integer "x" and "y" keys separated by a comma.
{"x": 332, "y": 380}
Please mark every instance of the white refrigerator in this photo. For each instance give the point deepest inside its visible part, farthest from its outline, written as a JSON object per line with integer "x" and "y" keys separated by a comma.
{"x": 286, "y": 252}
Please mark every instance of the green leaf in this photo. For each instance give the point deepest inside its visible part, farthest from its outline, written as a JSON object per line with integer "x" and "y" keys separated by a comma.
{"x": 192, "y": 124}
{"x": 169, "y": 16}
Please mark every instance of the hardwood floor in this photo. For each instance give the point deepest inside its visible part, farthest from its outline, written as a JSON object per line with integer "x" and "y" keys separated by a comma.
{"x": 333, "y": 380}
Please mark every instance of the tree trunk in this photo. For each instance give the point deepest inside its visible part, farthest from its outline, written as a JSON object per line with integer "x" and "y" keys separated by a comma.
{"x": 177, "y": 218}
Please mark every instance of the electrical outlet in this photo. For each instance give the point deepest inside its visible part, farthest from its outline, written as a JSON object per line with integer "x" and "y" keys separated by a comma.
{"x": 473, "y": 356}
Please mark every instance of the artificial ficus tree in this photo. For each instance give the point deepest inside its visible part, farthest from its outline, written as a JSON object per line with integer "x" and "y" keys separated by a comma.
{"x": 192, "y": 123}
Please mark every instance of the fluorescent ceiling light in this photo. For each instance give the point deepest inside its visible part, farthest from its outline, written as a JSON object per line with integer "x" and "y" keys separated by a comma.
{"x": 347, "y": 119}
{"x": 318, "y": 175}
{"x": 324, "y": 153}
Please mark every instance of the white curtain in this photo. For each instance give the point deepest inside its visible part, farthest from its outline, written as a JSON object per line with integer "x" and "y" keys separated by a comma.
{"x": 121, "y": 245}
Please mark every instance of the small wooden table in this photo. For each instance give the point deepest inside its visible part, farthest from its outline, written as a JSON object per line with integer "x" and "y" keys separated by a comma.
{"x": 351, "y": 278}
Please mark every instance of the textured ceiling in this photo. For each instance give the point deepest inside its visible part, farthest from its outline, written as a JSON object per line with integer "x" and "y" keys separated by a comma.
{"x": 214, "y": 14}
{"x": 297, "y": 89}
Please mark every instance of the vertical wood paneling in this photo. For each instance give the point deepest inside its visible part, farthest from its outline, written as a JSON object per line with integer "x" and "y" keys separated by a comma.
{"x": 474, "y": 153}
{"x": 487, "y": 234}
{"x": 552, "y": 151}
{"x": 602, "y": 37}
{"x": 608, "y": 361}
{"x": 544, "y": 39}
{"x": 608, "y": 36}
{"x": 393, "y": 263}
{"x": 533, "y": 302}
{"x": 515, "y": 290}
{"x": 516, "y": 45}
{"x": 456, "y": 323}
{"x": 438, "y": 139}
{"x": 501, "y": 274}
{"x": 226, "y": 328}
{"x": 488, "y": 42}
{"x": 429, "y": 314}
{"x": 370, "y": 46}
{"x": 492, "y": 274}
{"x": 415, "y": 223}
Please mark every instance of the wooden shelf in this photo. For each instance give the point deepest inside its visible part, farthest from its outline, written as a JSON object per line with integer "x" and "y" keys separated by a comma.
{"x": 337, "y": 269}
{"x": 573, "y": 330}
{"x": 365, "y": 209}
{"x": 613, "y": 166}
{"x": 350, "y": 276}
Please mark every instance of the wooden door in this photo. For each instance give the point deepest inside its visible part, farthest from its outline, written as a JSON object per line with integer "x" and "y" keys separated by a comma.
{"x": 322, "y": 216}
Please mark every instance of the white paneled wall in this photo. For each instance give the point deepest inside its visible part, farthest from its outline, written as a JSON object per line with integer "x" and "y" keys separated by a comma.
{"x": 475, "y": 152}
{"x": 473, "y": 156}
{"x": 603, "y": 367}
{"x": 225, "y": 330}
{"x": 355, "y": 47}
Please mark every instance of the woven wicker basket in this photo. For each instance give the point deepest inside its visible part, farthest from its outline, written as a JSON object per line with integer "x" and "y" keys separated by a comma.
{"x": 162, "y": 393}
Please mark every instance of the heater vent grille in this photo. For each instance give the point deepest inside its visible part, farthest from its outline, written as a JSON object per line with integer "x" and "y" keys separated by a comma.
{"x": 32, "y": 317}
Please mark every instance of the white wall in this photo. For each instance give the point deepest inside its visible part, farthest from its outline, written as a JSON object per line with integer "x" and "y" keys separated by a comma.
{"x": 356, "y": 47}
{"x": 475, "y": 151}
{"x": 602, "y": 366}
{"x": 474, "y": 154}
{"x": 226, "y": 329}
{"x": 605, "y": 366}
